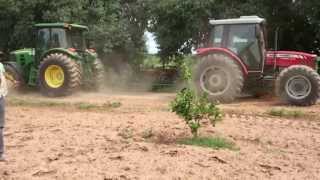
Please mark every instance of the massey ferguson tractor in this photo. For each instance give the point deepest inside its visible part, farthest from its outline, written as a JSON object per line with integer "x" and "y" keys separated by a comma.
{"x": 235, "y": 60}
{"x": 58, "y": 63}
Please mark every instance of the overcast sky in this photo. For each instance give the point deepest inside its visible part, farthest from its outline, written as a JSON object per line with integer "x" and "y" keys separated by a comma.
{"x": 151, "y": 43}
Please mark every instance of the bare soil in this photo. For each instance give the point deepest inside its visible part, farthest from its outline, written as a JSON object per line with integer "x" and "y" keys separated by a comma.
{"x": 137, "y": 141}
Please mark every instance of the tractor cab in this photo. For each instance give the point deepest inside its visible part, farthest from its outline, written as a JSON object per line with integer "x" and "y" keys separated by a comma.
{"x": 243, "y": 36}
{"x": 59, "y": 35}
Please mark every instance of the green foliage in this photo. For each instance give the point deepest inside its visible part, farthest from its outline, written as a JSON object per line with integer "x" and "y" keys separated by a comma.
{"x": 195, "y": 109}
{"x": 192, "y": 108}
{"x": 154, "y": 61}
{"x": 215, "y": 143}
{"x": 186, "y": 72}
{"x": 151, "y": 61}
{"x": 179, "y": 24}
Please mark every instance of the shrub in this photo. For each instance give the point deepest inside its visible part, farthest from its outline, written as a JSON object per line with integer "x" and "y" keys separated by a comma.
{"x": 195, "y": 109}
{"x": 192, "y": 108}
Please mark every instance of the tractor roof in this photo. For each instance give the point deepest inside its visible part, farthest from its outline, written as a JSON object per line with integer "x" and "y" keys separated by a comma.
{"x": 61, "y": 25}
{"x": 241, "y": 20}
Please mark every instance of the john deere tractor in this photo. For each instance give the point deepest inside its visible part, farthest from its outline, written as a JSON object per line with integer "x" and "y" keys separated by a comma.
{"x": 59, "y": 62}
{"x": 235, "y": 59}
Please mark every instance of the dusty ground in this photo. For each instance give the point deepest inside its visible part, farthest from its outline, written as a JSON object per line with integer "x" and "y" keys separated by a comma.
{"x": 67, "y": 143}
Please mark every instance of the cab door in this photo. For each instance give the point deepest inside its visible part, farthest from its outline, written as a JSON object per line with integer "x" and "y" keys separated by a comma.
{"x": 243, "y": 40}
{"x": 42, "y": 42}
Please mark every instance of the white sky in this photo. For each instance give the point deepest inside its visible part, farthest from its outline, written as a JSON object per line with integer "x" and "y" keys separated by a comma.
{"x": 151, "y": 43}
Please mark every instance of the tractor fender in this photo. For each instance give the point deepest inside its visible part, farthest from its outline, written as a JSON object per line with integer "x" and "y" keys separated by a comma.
{"x": 67, "y": 52}
{"x": 13, "y": 64}
{"x": 206, "y": 51}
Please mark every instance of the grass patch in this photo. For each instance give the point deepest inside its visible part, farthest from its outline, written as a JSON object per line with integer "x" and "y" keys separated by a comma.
{"x": 148, "y": 133}
{"x": 126, "y": 133}
{"x": 86, "y": 106}
{"x": 90, "y": 106}
{"x": 114, "y": 104}
{"x": 286, "y": 113}
{"x": 23, "y": 102}
{"x": 275, "y": 112}
{"x": 209, "y": 142}
{"x": 76, "y": 105}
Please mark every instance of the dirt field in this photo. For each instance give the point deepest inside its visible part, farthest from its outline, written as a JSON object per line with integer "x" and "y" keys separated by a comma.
{"x": 62, "y": 142}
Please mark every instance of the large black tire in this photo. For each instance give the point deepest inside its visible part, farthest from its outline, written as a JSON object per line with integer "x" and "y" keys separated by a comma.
{"x": 13, "y": 76}
{"x": 298, "y": 85}
{"x": 219, "y": 77}
{"x": 71, "y": 75}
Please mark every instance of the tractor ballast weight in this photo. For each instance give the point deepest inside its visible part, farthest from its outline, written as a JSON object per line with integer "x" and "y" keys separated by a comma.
{"x": 235, "y": 60}
{"x": 59, "y": 62}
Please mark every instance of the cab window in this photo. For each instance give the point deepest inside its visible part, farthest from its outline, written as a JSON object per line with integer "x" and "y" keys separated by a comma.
{"x": 43, "y": 38}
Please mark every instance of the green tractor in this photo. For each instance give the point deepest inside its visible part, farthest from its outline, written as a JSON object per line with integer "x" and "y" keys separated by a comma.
{"x": 59, "y": 63}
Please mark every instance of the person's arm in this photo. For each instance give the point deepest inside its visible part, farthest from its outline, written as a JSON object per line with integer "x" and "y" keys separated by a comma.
{"x": 2, "y": 72}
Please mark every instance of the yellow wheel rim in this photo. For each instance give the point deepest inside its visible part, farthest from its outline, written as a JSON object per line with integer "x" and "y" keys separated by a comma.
{"x": 54, "y": 76}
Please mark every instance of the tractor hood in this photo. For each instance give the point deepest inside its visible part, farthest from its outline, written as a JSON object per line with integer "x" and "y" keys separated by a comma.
{"x": 23, "y": 55}
{"x": 289, "y": 58}
{"x": 27, "y": 51}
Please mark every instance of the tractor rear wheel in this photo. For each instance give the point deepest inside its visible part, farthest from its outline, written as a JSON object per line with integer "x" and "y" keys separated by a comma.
{"x": 59, "y": 75}
{"x": 298, "y": 85}
{"x": 219, "y": 77}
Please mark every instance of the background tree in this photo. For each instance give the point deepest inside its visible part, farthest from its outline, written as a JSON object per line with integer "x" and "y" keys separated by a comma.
{"x": 179, "y": 25}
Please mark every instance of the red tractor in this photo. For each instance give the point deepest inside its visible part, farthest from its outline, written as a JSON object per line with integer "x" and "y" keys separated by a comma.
{"x": 235, "y": 60}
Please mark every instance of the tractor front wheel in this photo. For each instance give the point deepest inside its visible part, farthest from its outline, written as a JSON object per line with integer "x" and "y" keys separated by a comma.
{"x": 298, "y": 85}
{"x": 59, "y": 75}
{"x": 219, "y": 77}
